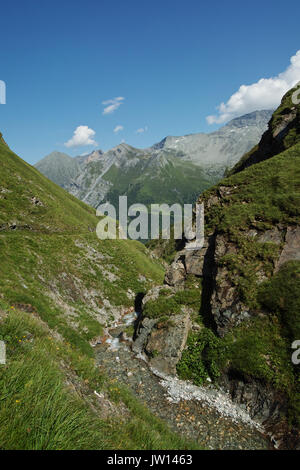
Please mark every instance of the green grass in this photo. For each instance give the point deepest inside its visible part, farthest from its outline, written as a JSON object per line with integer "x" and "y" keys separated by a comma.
{"x": 168, "y": 304}
{"x": 262, "y": 195}
{"x": 54, "y": 262}
{"x": 281, "y": 295}
{"x": 59, "y": 212}
{"x": 54, "y": 281}
{"x": 173, "y": 182}
{"x": 256, "y": 349}
{"x": 47, "y": 400}
{"x": 65, "y": 282}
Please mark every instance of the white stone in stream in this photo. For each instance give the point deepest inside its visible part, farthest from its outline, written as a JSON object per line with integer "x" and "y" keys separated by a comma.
{"x": 181, "y": 390}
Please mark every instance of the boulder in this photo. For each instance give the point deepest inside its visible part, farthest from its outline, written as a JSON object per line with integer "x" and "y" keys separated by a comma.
{"x": 291, "y": 249}
{"x": 166, "y": 343}
{"x": 175, "y": 273}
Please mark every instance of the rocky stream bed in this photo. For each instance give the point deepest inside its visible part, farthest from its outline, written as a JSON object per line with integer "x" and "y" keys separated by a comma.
{"x": 203, "y": 414}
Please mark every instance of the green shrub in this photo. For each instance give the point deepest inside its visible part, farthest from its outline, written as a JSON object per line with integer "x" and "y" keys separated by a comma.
{"x": 202, "y": 358}
{"x": 281, "y": 295}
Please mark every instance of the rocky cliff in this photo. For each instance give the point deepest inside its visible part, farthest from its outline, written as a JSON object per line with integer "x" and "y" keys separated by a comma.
{"x": 241, "y": 291}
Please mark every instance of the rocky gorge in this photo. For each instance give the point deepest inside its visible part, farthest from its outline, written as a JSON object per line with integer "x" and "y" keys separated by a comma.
{"x": 229, "y": 312}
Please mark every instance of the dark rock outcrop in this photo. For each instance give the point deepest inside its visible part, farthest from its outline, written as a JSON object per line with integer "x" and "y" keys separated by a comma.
{"x": 283, "y": 131}
{"x": 162, "y": 340}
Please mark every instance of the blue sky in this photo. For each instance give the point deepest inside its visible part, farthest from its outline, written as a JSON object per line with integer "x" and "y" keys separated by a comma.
{"x": 169, "y": 63}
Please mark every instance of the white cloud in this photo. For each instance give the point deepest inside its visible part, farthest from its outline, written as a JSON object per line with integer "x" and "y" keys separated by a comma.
{"x": 118, "y": 129}
{"x": 112, "y": 105}
{"x": 82, "y": 136}
{"x": 141, "y": 130}
{"x": 264, "y": 94}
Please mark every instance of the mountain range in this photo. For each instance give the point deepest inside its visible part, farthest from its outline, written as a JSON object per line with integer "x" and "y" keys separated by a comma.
{"x": 174, "y": 170}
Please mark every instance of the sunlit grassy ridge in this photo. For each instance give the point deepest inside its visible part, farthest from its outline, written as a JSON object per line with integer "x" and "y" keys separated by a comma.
{"x": 55, "y": 211}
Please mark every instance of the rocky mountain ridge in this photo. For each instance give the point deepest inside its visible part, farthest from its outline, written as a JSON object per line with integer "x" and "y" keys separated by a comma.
{"x": 174, "y": 170}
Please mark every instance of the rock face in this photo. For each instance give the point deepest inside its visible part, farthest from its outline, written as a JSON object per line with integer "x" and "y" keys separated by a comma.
{"x": 261, "y": 402}
{"x": 162, "y": 340}
{"x": 225, "y": 305}
{"x": 176, "y": 272}
{"x": 166, "y": 343}
{"x": 291, "y": 249}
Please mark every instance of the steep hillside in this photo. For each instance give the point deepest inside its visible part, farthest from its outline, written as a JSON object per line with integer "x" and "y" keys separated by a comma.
{"x": 52, "y": 259}
{"x": 241, "y": 291}
{"x": 175, "y": 170}
{"x": 60, "y": 288}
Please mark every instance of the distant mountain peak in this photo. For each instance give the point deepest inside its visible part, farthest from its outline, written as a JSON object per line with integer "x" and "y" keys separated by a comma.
{"x": 255, "y": 119}
{"x": 58, "y": 167}
{"x": 56, "y": 154}
{"x": 251, "y": 118}
{"x": 94, "y": 156}
{"x": 161, "y": 170}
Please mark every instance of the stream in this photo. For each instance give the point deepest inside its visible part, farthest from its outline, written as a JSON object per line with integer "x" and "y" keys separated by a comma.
{"x": 203, "y": 414}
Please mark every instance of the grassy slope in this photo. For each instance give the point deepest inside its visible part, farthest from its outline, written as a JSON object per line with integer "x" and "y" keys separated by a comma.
{"x": 48, "y": 400}
{"x": 176, "y": 182}
{"x": 52, "y": 280}
{"x": 53, "y": 251}
{"x": 59, "y": 212}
